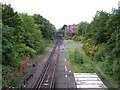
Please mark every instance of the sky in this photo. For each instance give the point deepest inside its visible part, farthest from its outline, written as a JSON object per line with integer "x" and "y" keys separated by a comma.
{"x": 60, "y": 12}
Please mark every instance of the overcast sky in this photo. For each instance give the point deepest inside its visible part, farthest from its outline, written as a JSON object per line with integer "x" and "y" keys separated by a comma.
{"x": 60, "y": 12}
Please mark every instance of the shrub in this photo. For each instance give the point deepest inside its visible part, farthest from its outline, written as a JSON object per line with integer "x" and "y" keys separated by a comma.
{"x": 90, "y": 48}
{"x": 22, "y": 48}
{"x": 75, "y": 56}
{"x": 78, "y": 57}
{"x": 68, "y": 37}
{"x": 74, "y": 38}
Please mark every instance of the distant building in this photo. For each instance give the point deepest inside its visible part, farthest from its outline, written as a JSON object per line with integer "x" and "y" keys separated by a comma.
{"x": 71, "y": 29}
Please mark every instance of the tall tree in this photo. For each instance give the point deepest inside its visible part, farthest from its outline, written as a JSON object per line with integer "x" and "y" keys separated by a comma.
{"x": 47, "y": 29}
{"x": 10, "y": 17}
{"x": 98, "y": 28}
{"x": 82, "y": 28}
{"x": 32, "y": 36}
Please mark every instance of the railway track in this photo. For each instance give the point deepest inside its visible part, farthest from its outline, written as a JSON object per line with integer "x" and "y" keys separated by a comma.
{"x": 46, "y": 78}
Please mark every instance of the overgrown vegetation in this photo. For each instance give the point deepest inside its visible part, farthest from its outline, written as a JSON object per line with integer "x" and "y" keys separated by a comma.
{"x": 79, "y": 61}
{"x": 82, "y": 63}
{"x": 22, "y": 35}
{"x": 101, "y": 42}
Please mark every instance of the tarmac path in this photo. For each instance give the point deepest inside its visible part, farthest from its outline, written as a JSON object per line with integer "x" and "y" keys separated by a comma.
{"x": 64, "y": 78}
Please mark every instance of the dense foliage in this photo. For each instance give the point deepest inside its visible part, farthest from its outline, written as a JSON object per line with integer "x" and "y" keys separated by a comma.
{"x": 47, "y": 29}
{"x": 80, "y": 62}
{"x": 101, "y": 41}
{"x": 22, "y": 35}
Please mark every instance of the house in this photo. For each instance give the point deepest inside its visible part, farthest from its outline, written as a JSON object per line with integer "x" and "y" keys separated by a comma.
{"x": 71, "y": 29}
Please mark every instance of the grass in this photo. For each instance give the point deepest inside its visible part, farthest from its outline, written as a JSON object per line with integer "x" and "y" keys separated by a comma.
{"x": 78, "y": 67}
{"x": 70, "y": 42}
{"x": 88, "y": 66}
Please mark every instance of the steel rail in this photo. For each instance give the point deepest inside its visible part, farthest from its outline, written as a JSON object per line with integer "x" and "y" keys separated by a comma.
{"x": 48, "y": 71}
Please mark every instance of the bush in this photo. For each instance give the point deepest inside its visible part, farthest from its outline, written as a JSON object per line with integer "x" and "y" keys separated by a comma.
{"x": 68, "y": 37}
{"x": 74, "y": 38}
{"x": 75, "y": 56}
{"x": 78, "y": 57}
{"x": 6, "y": 69}
{"x": 90, "y": 48}
{"x": 81, "y": 38}
{"x": 70, "y": 54}
{"x": 22, "y": 48}
{"x": 16, "y": 80}
{"x": 78, "y": 38}
{"x": 43, "y": 47}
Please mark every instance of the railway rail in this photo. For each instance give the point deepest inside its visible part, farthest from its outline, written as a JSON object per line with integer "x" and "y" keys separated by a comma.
{"x": 46, "y": 79}
{"x": 46, "y": 76}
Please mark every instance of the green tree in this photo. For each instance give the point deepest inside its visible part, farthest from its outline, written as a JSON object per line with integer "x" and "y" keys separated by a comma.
{"x": 113, "y": 44}
{"x": 11, "y": 35}
{"x": 47, "y": 29}
{"x": 32, "y": 36}
{"x": 104, "y": 31}
{"x": 20, "y": 37}
{"x": 10, "y": 17}
{"x": 82, "y": 28}
{"x": 97, "y": 28}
